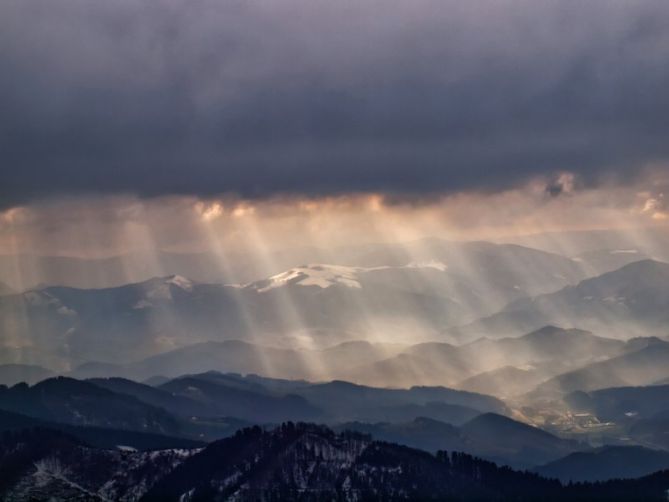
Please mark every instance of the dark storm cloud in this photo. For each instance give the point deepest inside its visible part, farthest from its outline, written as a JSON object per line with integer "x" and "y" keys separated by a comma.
{"x": 314, "y": 97}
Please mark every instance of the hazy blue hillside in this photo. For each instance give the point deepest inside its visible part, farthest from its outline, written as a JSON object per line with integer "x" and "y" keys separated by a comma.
{"x": 606, "y": 463}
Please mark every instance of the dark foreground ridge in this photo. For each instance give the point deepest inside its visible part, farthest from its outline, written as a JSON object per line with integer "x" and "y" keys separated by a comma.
{"x": 291, "y": 462}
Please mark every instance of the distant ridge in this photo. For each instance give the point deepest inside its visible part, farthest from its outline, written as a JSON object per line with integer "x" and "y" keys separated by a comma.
{"x": 631, "y": 301}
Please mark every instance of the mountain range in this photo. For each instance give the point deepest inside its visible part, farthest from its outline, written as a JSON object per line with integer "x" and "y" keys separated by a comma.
{"x": 319, "y": 306}
{"x": 26, "y": 271}
{"x": 293, "y": 461}
{"x": 191, "y": 410}
{"x": 644, "y": 363}
{"x": 433, "y": 290}
{"x": 507, "y": 355}
{"x": 548, "y": 362}
{"x": 205, "y": 405}
{"x": 325, "y": 303}
{"x": 488, "y": 435}
{"x": 627, "y": 302}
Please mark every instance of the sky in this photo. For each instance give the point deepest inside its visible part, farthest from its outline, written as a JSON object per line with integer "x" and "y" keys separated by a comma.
{"x": 127, "y": 124}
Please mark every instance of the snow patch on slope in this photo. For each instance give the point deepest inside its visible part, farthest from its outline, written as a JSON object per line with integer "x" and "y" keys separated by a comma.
{"x": 161, "y": 289}
{"x": 428, "y": 264}
{"x": 181, "y": 282}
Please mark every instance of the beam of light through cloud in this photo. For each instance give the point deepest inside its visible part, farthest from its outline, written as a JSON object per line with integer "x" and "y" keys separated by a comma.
{"x": 237, "y": 241}
{"x": 470, "y": 194}
{"x": 115, "y": 226}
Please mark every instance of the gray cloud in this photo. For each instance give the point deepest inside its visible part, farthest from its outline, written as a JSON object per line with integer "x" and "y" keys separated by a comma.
{"x": 315, "y": 97}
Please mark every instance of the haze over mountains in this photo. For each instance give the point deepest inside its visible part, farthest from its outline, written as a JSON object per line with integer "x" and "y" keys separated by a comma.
{"x": 27, "y": 271}
{"x": 429, "y": 290}
{"x": 387, "y": 297}
{"x": 627, "y": 302}
{"x": 520, "y": 357}
{"x": 347, "y": 251}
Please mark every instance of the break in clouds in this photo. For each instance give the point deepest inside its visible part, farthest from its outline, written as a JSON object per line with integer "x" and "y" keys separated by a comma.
{"x": 117, "y": 225}
{"x": 306, "y": 98}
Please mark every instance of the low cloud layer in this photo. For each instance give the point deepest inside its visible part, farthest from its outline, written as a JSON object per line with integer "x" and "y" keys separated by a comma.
{"x": 117, "y": 225}
{"x": 320, "y": 98}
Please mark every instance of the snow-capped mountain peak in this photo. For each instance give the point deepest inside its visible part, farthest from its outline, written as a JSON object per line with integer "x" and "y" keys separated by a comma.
{"x": 322, "y": 276}
{"x": 325, "y": 276}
